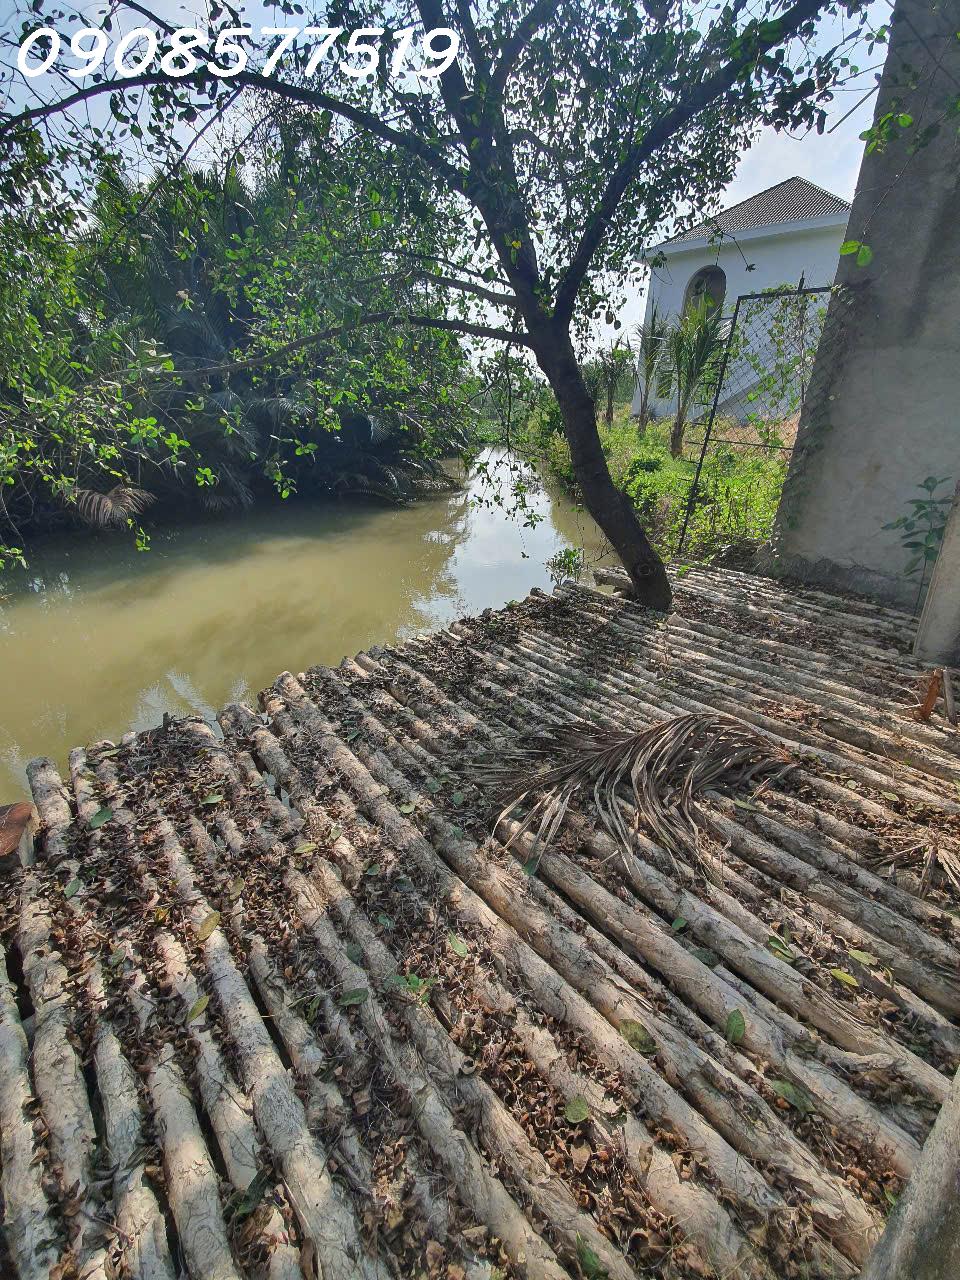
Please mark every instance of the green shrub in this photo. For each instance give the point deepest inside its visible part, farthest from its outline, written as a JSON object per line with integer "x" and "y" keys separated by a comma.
{"x": 739, "y": 489}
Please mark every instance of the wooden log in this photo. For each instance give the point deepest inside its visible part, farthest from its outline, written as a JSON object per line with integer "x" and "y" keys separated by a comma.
{"x": 478, "y": 1186}
{"x": 922, "y": 1238}
{"x": 58, "y": 1077}
{"x": 191, "y": 1180}
{"x": 326, "y": 1105}
{"x": 141, "y": 1230}
{"x": 29, "y": 1224}
{"x": 325, "y": 1213}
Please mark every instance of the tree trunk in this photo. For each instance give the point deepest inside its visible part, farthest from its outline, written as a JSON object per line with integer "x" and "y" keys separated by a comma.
{"x": 677, "y": 430}
{"x": 612, "y": 509}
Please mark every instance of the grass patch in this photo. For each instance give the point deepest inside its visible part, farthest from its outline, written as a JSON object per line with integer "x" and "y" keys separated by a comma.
{"x": 739, "y": 490}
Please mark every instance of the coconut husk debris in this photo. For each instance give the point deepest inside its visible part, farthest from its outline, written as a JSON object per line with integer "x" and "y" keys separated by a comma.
{"x": 293, "y": 994}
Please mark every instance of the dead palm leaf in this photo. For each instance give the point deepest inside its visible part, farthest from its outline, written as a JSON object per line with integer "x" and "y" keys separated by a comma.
{"x": 120, "y": 504}
{"x": 662, "y": 768}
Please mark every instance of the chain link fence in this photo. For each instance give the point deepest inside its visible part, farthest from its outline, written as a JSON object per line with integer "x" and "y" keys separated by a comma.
{"x": 742, "y": 441}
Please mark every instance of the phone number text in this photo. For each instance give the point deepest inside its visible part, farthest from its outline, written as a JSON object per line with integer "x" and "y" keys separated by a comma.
{"x": 189, "y": 50}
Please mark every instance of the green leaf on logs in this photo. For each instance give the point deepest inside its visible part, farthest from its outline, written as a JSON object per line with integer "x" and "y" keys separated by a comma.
{"x": 354, "y": 952}
{"x": 457, "y": 945}
{"x": 590, "y": 1264}
{"x": 576, "y": 1111}
{"x": 99, "y": 818}
{"x": 356, "y": 995}
{"x": 864, "y": 957}
{"x": 207, "y": 926}
{"x": 73, "y": 888}
{"x": 216, "y": 798}
{"x": 197, "y": 1008}
{"x": 847, "y": 979}
{"x": 797, "y": 1098}
{"x": 638, "y": 1037}
{"x": 385, "y": 921}
{"x": 736, "y": 1026}
{"x": 307, "y": 847}
{"x": 679, "y": 924}
{"x": 780, "y": 949}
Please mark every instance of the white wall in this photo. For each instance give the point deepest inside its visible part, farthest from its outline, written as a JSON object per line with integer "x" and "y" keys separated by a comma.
{"x": 777, "y": 256}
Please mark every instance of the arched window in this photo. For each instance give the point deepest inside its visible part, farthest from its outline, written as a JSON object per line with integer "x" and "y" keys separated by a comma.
{"x": 708, "y": 285}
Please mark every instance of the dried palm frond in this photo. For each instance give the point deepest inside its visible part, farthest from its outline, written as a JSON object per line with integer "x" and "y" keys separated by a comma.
{"x": 116, "y": 507}
{"x": 664, "y": 765}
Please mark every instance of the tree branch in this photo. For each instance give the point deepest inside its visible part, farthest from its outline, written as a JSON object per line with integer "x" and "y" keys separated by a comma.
{"x": 534, "y": 18}
{"x": 362, "y": 321}
{"x": 467, "y": 286}
{"x": 658, "y": 135}
{"x": 250, "y": 79}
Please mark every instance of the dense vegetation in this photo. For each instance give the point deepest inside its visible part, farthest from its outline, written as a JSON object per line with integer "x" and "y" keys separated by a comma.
{"x": 150, "y": 348}
{"x": 739, "y": 489}
{"x": 554, "y": 144}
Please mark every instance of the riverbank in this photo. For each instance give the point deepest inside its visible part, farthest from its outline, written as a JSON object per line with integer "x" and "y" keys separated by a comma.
{"x": 97, "y": 639}
{"x": 739, "y": 487}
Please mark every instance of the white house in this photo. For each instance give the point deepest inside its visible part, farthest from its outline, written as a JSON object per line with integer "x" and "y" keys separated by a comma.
{"x": 789, "y": 232}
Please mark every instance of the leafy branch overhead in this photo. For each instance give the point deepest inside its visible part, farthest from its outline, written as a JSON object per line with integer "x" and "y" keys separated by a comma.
{"x": 561, "y": 139}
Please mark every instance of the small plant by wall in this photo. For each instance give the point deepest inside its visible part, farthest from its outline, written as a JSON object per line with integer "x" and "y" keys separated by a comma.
{"x": 923, "y": 525}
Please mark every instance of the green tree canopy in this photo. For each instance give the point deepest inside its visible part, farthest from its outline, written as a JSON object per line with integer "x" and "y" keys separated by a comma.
{"x": 561, "y": 135}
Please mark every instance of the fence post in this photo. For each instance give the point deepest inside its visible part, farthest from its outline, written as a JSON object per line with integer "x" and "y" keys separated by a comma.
{"x": 695, "y": 483}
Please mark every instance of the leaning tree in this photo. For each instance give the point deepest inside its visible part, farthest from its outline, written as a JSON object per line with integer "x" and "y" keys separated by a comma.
{"x": 557, "y": 136}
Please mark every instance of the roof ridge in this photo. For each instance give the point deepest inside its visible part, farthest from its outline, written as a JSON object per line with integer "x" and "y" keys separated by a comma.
{"x": 713, "y": 220}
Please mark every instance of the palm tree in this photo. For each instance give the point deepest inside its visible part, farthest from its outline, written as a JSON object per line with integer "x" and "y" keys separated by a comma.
{"x": 651, "y": 339}
{"x": 613, "y": 365}
{"x": 694, "y": 349}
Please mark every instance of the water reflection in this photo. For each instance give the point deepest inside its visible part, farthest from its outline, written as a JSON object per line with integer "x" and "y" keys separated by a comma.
{"x": 100, "y": 639}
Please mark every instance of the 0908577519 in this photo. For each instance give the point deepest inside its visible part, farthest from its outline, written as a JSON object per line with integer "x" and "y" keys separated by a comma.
{"x": 189, "y": 50}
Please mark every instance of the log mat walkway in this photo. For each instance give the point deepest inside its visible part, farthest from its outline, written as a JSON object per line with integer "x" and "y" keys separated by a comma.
{"x": 275, "y": 1004}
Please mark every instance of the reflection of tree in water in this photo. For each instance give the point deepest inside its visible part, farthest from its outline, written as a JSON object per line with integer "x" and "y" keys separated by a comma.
{"x": 216, "y": 610}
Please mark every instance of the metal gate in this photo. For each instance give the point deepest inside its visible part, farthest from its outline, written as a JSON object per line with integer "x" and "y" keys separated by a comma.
{"x": 750, "y": 426}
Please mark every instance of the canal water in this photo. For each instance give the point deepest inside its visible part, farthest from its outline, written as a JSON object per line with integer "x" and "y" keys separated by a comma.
{"x": 97, "y": 638}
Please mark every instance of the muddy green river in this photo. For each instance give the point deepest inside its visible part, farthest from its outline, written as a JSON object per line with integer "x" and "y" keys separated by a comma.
{"x": 97, "y": 638}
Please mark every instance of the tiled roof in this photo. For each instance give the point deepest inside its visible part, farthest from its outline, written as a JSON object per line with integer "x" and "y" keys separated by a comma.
{"x": 793, "y": 200}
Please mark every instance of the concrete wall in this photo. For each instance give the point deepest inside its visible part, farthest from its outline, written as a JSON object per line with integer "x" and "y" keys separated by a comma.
{"x": 779, "y": 256}
{"x": 883, "y": 409}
